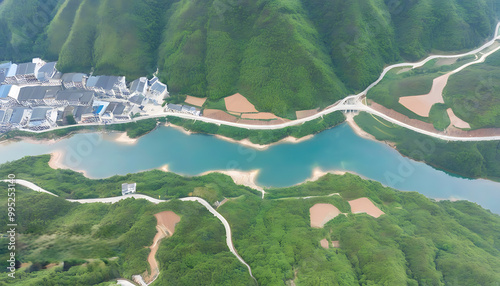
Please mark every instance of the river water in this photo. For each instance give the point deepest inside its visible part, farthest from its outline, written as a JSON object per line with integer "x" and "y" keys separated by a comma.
{"x": 280, "y": 165}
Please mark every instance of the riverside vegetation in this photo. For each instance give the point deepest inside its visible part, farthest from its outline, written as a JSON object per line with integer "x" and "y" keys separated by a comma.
{"x": 142, "y": 127}
{"x": 479, "y": 159}
{"x": 281, "y": 55}
{"x": 417, "y": 242}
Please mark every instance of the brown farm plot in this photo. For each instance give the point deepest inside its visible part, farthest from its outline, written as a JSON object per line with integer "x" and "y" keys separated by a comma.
{"x": 196, "y": 101}
{"x": 364, "y": 205}
{"x": 421, "y": 104}
{"x": 322, "y": 213}
{"x": 260, "y": 115}
{"x": 305, "y": 113}
{"x": 455, "y": 121}
{"x": 219, "y": 114}
{"x": 238, "y": 103}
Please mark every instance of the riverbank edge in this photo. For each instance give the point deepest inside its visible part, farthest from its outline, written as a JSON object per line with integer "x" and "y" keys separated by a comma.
{"x": 367, "y": 135}
{"x": 52, "y": 136}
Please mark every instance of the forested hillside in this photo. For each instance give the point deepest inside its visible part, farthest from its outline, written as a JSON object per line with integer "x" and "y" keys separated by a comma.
{"x": 416, "y": 242}
{"x": 282, "y": 55}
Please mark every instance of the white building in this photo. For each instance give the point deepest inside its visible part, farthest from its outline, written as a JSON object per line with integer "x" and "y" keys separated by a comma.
{"x": 128, "y": 188}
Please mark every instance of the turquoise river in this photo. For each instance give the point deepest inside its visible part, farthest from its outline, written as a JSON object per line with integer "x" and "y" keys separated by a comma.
{"x": 280, "y": 165}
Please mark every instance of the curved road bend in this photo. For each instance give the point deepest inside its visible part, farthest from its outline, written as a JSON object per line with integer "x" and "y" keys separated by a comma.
{"x": 112, "y": 200}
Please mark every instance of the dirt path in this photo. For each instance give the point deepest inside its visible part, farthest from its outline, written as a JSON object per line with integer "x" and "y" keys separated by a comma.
{"x": 165, "y": 227}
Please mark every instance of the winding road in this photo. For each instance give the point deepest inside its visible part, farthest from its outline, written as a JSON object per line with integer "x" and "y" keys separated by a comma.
{"x": 349, "y": 103}
{"x": 112, "y": 200}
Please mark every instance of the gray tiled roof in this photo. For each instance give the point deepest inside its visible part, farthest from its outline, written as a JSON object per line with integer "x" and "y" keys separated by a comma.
{"x": 104, "y": 82}
{"x": 39, "y": 113}
{"x": 137, "y": 85}
{"x": 158, "y": 87}
{"x": 17, "y": 114}
{"x": 137, "y": 99}
{"x": 73, "y": 77}
{"x": 26, "y": 68}
{"x": 175, "y": 107}
{"x": 37, "y": 92}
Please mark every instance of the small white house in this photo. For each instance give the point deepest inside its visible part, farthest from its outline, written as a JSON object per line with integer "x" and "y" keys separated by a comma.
{"x": 128, "y": 188}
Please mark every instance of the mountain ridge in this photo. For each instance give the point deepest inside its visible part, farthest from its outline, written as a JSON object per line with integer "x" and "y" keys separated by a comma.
{"x": 282, "y": 55}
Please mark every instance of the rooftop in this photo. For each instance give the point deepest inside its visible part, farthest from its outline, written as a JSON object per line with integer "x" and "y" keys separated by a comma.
{"x": 37, "y": 92}
{"x": 26, "y": 68}
{"x": 39, "y": 113}
{"x": 73, "y": 77}
{"x": 104, "y": 82}
{"x": 4, "y": 90}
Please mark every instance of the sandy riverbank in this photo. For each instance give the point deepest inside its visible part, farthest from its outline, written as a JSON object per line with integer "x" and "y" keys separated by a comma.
{"x": 247, "y": 179}
{"x": 349, "y": 118}
{"x": 180, "y": 128}
{"x": 124, "y": 139}
{"x": 57, "y": 162}
{"x": 165, "y": 168}
{"x": 248, "y": 143}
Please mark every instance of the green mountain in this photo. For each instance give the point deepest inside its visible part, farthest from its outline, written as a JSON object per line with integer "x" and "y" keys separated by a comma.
{"x": 282, "y": 54}
{"x": 416, "y": 242}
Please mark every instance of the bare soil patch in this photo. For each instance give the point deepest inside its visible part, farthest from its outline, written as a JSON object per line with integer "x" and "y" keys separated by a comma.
{"x": 260, "y": 115}
{"x": 196, "y": 101}
{"x": 455, "y": 121}
{"x": 219, "y": 114}
{"x": 238, "y": 103}
{"x": 421, "y": 104}
{"x": 445, "y": 62}
{"x": 324, "y": 243}
{"x": 306, "y": 113}
{"x": 322, "y": 213}
{"x": 364, "y": 205}
{"x": 336, "y": 243}
{"x": 165, "y": 226}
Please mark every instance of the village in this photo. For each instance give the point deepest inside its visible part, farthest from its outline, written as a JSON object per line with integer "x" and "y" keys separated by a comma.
{"x": 35, "y": 96}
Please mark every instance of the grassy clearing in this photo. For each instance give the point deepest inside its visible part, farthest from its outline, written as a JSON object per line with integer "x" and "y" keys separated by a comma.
{"x": 439, "y": 117}
{"x": 474, "y": 93}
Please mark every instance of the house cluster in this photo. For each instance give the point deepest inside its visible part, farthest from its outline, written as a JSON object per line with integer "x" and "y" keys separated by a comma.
{"x": 183, "y": 109}
{"x": 36, "y": 96}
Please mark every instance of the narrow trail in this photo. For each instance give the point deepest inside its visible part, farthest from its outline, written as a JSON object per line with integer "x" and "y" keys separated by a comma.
{"x": 112, "y": 200}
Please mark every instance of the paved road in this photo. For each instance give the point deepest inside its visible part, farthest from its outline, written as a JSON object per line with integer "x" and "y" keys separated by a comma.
{"x": 341, "y": 105}
{"x": 112, "y": 200}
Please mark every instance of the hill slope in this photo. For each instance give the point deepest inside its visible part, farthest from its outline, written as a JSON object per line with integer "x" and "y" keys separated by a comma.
{"x": 282, "y": 55}
{"x": 416, "y": 242}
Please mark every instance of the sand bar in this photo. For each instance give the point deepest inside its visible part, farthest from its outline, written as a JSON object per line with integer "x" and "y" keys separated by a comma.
{"x": 322, "y": 213}
{"x": 196, "y": 101}
{"x": 364, "y": 205}
{"x": 421, "y": 104}
{"x": 124, "y": 139}
{"x": 164, "y": 168}
{"x": 238, "y": 103}
{"x": 455, "y": 121}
